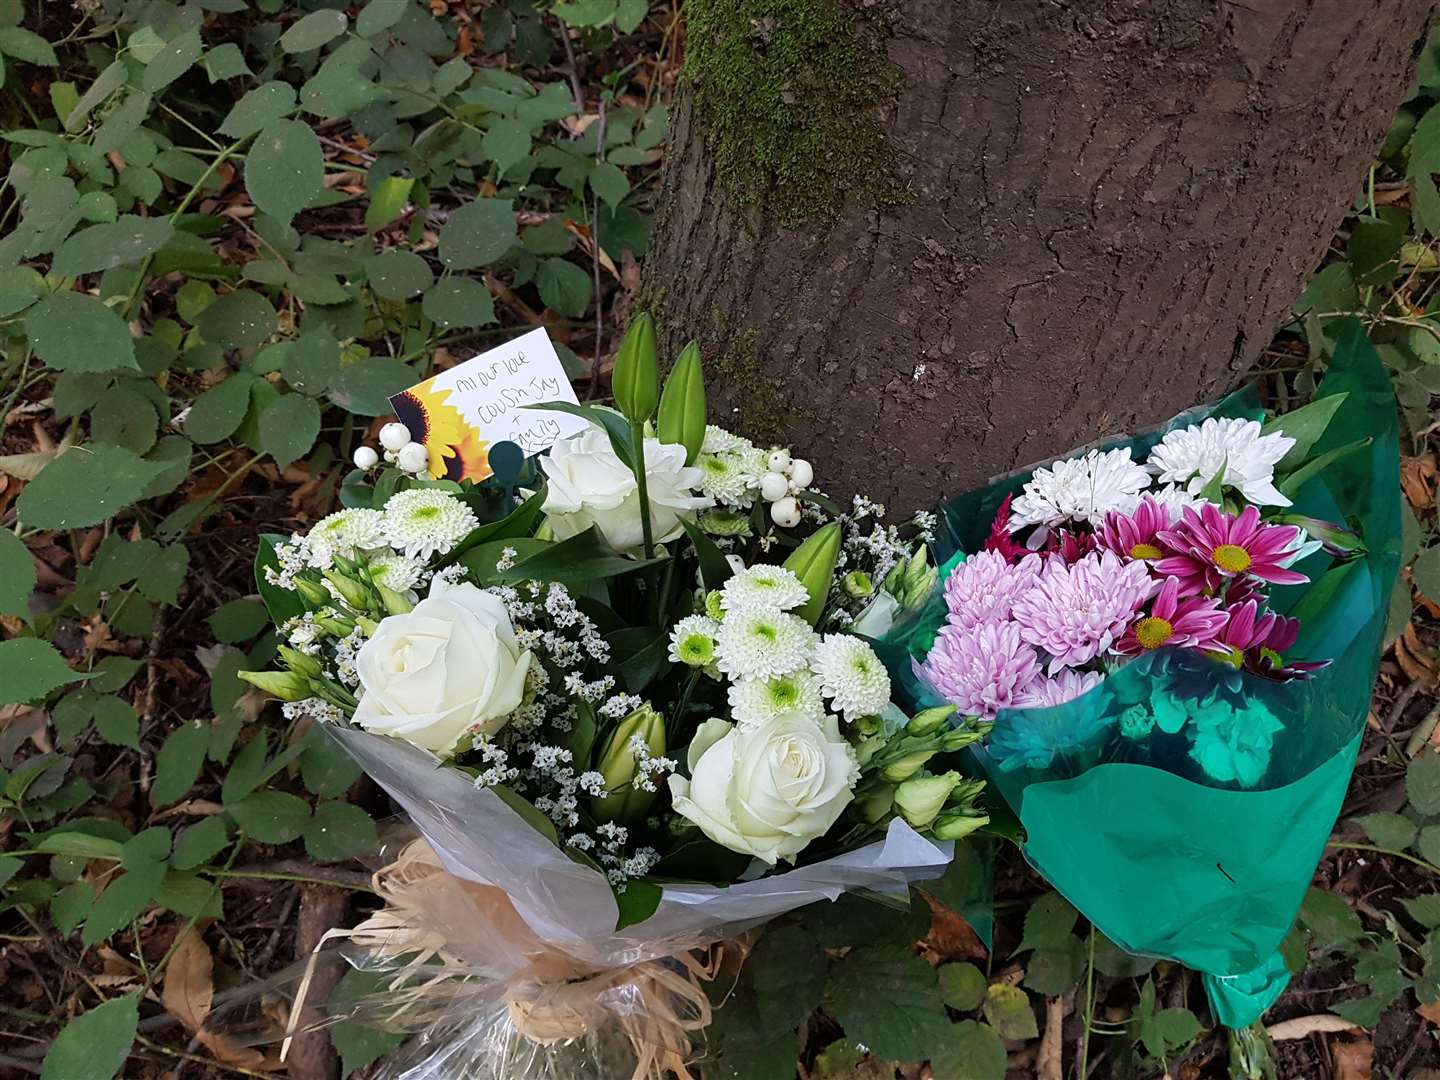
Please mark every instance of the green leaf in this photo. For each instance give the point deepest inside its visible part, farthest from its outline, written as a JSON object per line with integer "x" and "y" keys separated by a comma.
{"x": 398, "y": 274}
{"x": 288, "y": 427}
{"x": 176, "y": 58}
{"x": 74, "y": 332}
{"x": 71, "y": 905}
{"x": 1375, "y": 242}
{"x": 23, "y": 45}
{"x": 338, "y": 831}
{"x": 527, "y": 812}
{"x": 103, "y": 247}
{"x": 20, "y": 286}
{"x": 506, "y": 143}
{"x": 1428, "y": 843}
{"x": 388, "y": 198}
{"x": 17, "y": 575}
{"x": 889, "y": 999}
{"x": 715, "y": 569}
{"x": 972, "y": 1052}
{"x": 478, "y": 233}
{"x": 123, "y": 901}
{"x": 266, "y": 103}
{"x": 200, "y": 843}
{"x": 609, "y": 182}
{"x": 178, "y": 764}
{"x": 189, "y": 895}
{"x": 84, "y": 486}
{"x": 241, "y": 319}
{"x": 271, "y": 817}
{"x": 1305, "y": 425}
{"x": 30, "y": 669}
{"x": 1426, "y": 572}
{"x": 1329, "y": 918}
{"x": 1048, "y": 923}
{"x": 962, "y": 986}
{"x": 1007, "y": 1009}
{"x": 581, "y": 558}
{"x": 285, "y": 168}
{"x": 1424, "y": 909}
{"x": 325, "y": 767}
{"x": 607, "y": 420}
{"x": 219, "y": 411}
{"x": 1422, "y": 783}
{"x": 95, "y": 1044}
{"x": 564, "y": 287}
{"x": 1388, "y": 830}
{"x": 788, "y": 977}
{"x": 115, "y": 721}
{"x": 239, "y": 620}
{"x": 458, "y": 302}
{"x": 282, "y": 604}
{"x": 80, "y": 845}
{"x": 1054, "y": 969}
{"x": 226, "y": 62}
{"x": 358, "y": 1044}
{"x": 313, "y": 30}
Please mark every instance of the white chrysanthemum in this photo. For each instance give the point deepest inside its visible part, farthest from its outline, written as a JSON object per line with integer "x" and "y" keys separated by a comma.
{"x": 423, "y": 522}
{"x": 692, "y": 641}
{"x": 341, "y": 533}
{"x": 1193, "y": 456}
{"x": 396, "y": 572}
{"x": 760, "y": 644}
{"x": 719, "y": 441}
{"x": 759, "y": 701}
{"x": 851, "y": 675}
{"x": 1083, "y": 488}
{"x": 763, "y": 586}
{"x": 724, "y": 479}
{"x": 1175, "y": 499}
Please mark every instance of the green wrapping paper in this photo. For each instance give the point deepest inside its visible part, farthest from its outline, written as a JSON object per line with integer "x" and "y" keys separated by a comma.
{"x": 1182, "y": 805}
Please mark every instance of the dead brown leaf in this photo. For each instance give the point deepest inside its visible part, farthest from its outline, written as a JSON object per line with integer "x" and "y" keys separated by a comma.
{"x": 1353, "y": 1060}
{"x": 1414, "y": 659}
{"x": 1303, "y": 1026}
{"x": 189, "y": 992}
{"x": 1430, "y": 1012}
{"x": 1417, "y": 479}
{"x": 950, "y": 937}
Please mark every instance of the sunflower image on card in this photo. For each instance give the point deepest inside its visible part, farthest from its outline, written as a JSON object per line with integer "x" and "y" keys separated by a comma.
{"x": 461, "y": 413}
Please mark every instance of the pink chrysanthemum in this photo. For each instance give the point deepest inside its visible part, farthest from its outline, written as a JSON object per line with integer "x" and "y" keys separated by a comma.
{"x": 1077, "y": 612}
{"x": 1066, "y": 686}
{"x": 1191, "y": 621}
{"x": 1213, "y": 546}
{"x": 1136, "y": 535}
{"x": 979, "y": 669}
{"x": 985, "y": 587}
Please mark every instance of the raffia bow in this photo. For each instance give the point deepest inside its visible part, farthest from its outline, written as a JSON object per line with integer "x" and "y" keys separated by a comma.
{"x": 658, "y": 1004}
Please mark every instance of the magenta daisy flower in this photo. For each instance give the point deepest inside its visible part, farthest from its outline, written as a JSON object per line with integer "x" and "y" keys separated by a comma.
{"x": 1212, "y": 547}
{"x": 1066, "y": 686}
{"x": 1180, "y": 622}
{"x": 985, "y": 587}
{"x": 1077, "y": 612}
{"x": 1136, "y": 535}
{"x": 979, "y": 669}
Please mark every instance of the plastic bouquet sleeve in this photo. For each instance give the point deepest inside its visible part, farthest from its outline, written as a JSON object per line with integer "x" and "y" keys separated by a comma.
{"x": 1200, "y": 849}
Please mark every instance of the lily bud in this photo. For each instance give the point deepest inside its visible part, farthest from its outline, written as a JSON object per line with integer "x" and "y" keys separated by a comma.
{"x": 873, "y": 805}
{"x": 635, "y": 380}
{"x": 813, "y": 562}
{"x": 921, "y": 798}
{"x": 957, "y": 825}
{"x": 285, "y": 685}
{"x": 857, "y": 583}
{"x": 350, "y": 590}
{"x": 906, "y": 766}
{"x": 312, "y": 592}
{"x": 682, "y": 404}
{"x": 299, "y": 662}
{"x": 625, "y": 800}
{"x": 395, "y": 603}
{"x": 918, "y": 581}
{"x": 928, "y": 721}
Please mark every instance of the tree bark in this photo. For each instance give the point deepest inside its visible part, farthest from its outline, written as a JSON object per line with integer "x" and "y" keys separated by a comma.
{"x": 1107, "y": 208}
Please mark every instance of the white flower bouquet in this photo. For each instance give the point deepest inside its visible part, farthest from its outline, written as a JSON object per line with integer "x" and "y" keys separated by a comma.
{"x": 618, "y": 691}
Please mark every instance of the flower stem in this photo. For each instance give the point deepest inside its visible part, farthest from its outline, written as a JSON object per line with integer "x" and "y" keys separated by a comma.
{"x": 637, "y": 441}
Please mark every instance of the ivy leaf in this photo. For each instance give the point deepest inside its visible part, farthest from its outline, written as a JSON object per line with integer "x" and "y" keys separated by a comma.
{"x": 458, "y": 302}
{"x": 84, "y": 486}
{"x": 1426, "y": 572}
{"x": 95, "y": 1044}
{"x": 30, "y": 669}
{"x": 889, "y": 999}
{"x": 285, "y": 168}
{"x": 478, "y": 233}
{"x": 313, "y": 31}
{"x": 126, "y": 240}
{"x": 74, "y": 332}
{"x": 266, "y": 103}
{"x": 17, "y": 574}
{"x": 338, "y": 831}
{"x": 288, "y": 427}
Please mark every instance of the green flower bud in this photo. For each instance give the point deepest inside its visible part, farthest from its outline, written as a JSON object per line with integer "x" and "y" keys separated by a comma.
{"x": 299, "y": 662}
{"x": 918, "y": 582}
{"x": 626, "y": 801}
{"x": 958, "y": 824}
{"x": 906, "y": 766}
{"x": 350, "y": 590}
{"x": 312, "y": 592}
{"x": 713, "y": 607}
{"x": 866, "y": 725}
{"x": 857, "y": 583}
{"x": 395, "y": 603}
{"x": 960, "y": 737}
{"x": 682, "y": 404}
{"x": 285, "y": 685}
{"x": 335, "y": 624}
{"x": 635, "y": 380}
{"x": 873, "y": 805}
{"x": 724, "y": 522}
{"x": 813, "y": 562}
{"x": 929, "y": 721}
{"x": 921, "y": 798}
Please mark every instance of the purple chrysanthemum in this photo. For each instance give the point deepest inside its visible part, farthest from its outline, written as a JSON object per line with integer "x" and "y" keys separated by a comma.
{"x": 1066, "y": 686}
{"x": 1076, "y": 612}
{"x": 985, "y": 587}
{"x": 979, "y": 668}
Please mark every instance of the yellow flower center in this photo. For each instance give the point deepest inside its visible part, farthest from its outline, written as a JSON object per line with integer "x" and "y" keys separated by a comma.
{"x": 1152, "y": 632}
{"x": 1232, "y": 558}
{"x": 1145, "y": 551}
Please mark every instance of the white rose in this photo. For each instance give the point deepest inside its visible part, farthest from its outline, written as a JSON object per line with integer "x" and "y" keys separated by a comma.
{"x": 769, "y": 790}
{"x": 590, "y": 485}
{"x": 448, "y": 667}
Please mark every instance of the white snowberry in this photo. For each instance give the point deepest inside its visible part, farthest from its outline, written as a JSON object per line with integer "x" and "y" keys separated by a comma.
{"x": 737, "y": 564}
{"x": 366, "y": 457}
{"x": 801, "y": 473}
{"x": 773, "y": 485}
{"x": 786, "y": 512}
{"x": 778, "y": 461}
{"x": 394, "y": 435}
{"x": 413, "y": 458}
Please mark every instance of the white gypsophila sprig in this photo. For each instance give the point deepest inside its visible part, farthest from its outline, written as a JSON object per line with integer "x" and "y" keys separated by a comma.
{"x": 313, "y": 708}
{"x": 648, "y": 767}
{"x": 760, "y": 644}
{"x": 758, "y": 701}
{"x": 424, "y": 522}
{"x": 1083, "y": 488}
{"x": 291, "y": 557}
{"x": 692, "y": 641}
{"x": 620, "y": 705}
{"x": 1194, "y": 455}
{"x": 851, "y": 676}
{"x": 343, "y": 533}
{"x": 763, "y": 586}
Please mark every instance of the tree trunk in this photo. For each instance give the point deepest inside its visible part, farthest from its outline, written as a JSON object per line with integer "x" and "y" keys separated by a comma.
{"x": 1096, "y": 214}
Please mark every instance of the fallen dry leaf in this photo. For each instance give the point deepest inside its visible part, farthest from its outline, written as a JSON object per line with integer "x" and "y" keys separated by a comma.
{"x": 1417, "y": 479}
{"x": 950, "y": 937}
{"x": 1353, "y": 1060}
{"x": 1413, "y": 657}
{"x": 189, "y": 992}
{"x": 1302, "y": 1026}
{"x": 1430, "y": 1012}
